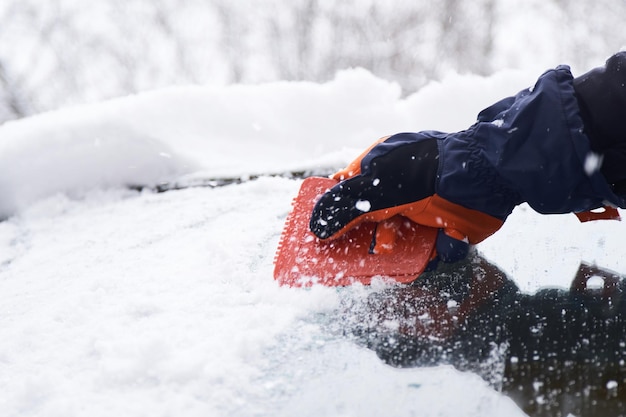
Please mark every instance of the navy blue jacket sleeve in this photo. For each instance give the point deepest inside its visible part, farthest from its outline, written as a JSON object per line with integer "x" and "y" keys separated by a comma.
{"x": 601, "y": 94}
{"x": 527, "y": 148}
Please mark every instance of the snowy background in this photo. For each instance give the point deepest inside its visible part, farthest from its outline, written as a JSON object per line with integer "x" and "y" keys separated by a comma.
{"x": 122, "y": 302}
{"x": 116, "y": 300}
{"x": 57, "y": 53}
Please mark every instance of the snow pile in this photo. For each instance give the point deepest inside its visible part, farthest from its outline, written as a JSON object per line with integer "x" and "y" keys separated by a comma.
{"x": 222, "y": 132}
{"x": 122, "y": 302}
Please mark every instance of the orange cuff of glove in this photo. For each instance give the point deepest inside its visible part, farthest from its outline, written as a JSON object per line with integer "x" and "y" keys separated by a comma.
{"x": 457, "y": 221}
{"x": 354, "y": 168}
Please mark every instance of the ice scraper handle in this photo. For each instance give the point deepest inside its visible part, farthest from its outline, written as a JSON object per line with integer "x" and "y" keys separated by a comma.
{"x": 395, "y": 178}
{"x": 447, "y": 248}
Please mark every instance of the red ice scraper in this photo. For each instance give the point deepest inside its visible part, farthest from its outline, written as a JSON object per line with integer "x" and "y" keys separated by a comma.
{"x": 303, "y": 260}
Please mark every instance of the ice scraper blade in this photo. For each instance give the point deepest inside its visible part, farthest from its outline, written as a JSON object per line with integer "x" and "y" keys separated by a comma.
{"x": 303, "y": 260}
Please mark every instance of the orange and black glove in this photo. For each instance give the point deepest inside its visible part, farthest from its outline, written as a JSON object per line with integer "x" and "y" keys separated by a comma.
{"x": 397, "y": 177}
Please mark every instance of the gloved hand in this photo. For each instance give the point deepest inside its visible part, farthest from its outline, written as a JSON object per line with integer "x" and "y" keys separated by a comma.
{"x": 525, "y": 148}
{"x": 396, "y": 177}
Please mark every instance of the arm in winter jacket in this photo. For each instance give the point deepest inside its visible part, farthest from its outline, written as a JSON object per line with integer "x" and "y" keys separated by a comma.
{"x": 536, "y": 147}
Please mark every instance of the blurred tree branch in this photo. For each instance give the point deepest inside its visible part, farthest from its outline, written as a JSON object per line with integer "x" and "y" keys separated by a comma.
{"x": 12, "y": 100}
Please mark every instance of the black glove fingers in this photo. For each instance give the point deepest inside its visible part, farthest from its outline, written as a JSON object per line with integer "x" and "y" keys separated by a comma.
{"x": 400, "y": 171}
{"x": 341, "y": 205}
